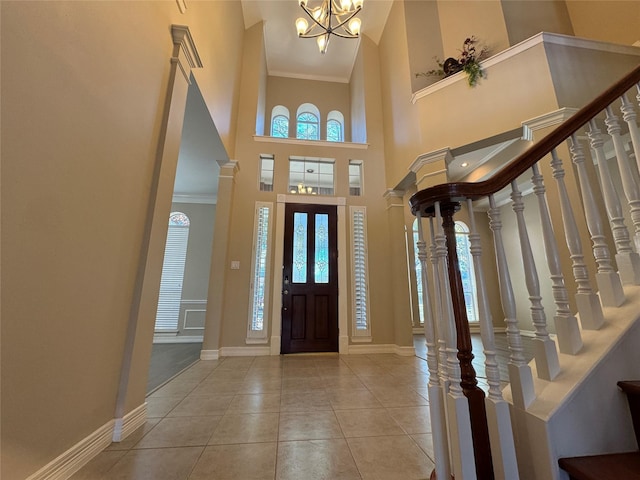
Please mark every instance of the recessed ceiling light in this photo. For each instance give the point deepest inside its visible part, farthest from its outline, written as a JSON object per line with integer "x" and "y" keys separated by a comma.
{"x": 464, "y": 164}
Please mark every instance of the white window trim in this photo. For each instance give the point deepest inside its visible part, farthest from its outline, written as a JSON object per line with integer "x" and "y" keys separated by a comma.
{"x": 359, "y": 335}
{"x": 260, "y": 336}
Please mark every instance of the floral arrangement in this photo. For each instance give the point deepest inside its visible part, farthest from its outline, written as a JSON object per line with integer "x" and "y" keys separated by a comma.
{"x": 468, "y": 61}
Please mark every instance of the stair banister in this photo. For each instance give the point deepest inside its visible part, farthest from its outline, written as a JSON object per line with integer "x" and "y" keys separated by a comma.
{"x": 448, "y": 197}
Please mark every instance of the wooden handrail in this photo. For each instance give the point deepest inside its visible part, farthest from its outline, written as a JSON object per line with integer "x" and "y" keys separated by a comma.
{"x": 424, "y": 200}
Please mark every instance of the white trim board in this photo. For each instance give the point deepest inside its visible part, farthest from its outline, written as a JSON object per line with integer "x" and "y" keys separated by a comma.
{"x": 404, "y": 351}
{"x": 123, "y": 427}
{"x": 179, "y": 338}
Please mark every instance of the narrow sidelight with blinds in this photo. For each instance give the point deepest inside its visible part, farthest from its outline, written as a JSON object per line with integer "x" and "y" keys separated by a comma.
{"x": 359, "y": 268}
{"x": 259, "y": 290}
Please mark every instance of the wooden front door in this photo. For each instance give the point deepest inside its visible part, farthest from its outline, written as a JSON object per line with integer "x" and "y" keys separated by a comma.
{"x": 310, "y": 279}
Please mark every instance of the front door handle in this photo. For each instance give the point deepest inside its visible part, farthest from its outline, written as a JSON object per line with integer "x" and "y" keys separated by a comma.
{"x": 285, "y": 292}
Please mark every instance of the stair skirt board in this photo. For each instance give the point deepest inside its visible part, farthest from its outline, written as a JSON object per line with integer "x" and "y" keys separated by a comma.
{"x": 69, "y": 462}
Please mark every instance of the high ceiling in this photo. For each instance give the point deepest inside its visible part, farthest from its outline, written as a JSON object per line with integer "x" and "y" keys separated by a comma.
{"x": 290, "y": 56}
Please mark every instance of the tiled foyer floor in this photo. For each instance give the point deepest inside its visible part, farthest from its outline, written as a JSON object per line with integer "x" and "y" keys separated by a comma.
{"x": 289, "y": 417}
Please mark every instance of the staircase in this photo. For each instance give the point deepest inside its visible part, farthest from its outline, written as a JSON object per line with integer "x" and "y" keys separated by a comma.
{"x": 563, "y": 404}
{"x": 616, "y": 465}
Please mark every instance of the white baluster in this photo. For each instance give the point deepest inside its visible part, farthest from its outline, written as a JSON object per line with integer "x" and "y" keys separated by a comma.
{"x": 588, "y": 303}
{"x": 435, "y": 388}
{"x": 438, "y": 312}
{"x": 519, "y": 372}
{"x": 458, "y": 406}
{"x": 546, "y": 354}
{"x": 567, "y": 330}
{"x": 503, "y": 452}
{"x": 629, "y": 116}
{"x": 627, "y": 260}
{"x": 609, "y": 285}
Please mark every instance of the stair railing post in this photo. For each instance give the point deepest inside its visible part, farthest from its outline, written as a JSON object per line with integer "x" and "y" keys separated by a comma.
{"x": 608, "y": 280}
{"x": 522, "y": 389}
{"x": 436, "y": 392}
{"x": 567, "y": 329}
{"x": 627, "y": 260}
{"x": 631, "y": 190}
{"x": 458, "y": 408}
{"x": 545, "y": 352}
{"x": 587, "y": 301}
{"x": 469, "y": 383}
{"x": 503, "y": 451}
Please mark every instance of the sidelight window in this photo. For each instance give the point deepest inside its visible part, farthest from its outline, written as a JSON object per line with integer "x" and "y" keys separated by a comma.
{"x": 359, "y": 268}
{"x": 259, "y": 289}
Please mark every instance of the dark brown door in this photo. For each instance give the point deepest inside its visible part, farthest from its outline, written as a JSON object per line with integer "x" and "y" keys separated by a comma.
{"x": 310, "y": 279}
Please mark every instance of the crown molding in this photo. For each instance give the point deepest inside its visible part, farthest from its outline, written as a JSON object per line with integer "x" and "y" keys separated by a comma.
{"x": 546, "y": 120}
{"x": 431, "y": 157}
{"x": 315, "y": 143}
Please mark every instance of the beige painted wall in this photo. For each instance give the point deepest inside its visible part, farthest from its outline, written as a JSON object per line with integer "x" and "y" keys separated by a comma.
{"x": 525, "y": 19}
{"x": 608, "y": 20}
{"x": 198, "y": 261}
{"x": 83, "y": 85}
{"x": 292, "y": 93}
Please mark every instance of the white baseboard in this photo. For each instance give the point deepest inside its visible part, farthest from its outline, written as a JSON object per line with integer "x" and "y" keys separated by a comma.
{"x": 77, "y": 456}
{"x": 245, "y": 351}
{"x": 177, "y": 339}
{"x": 130, "y": 423}
{"x": 209, "y": 354}
{"x": 382, "y": 348}
{"x": 418, "y": 330}
{"x": 404, "y": 351}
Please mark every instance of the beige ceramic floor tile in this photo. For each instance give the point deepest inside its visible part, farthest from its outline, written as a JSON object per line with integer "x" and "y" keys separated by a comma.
{"x": 258, "y": 384}
{"x": 343, "y": 381}
{"x": 161, "y": 406}
{"x": 256, "y": 461}
{"x": 180, "y": 432}
{"x": 295, "y": 384}
{"x": 176, "y": 388}
{"x": 156, "y": 464}
{"x": 246, "y": 428}
{"x": 255, "y": 403}
{"x": 367, "y": 423}
{"x": 347, "y": 399}
{"x": 390, "y": 458}
{"x": 218, "y": 387}
{"x": 412, "y": 419}
{"x": 201, "y": 405}
{"x": 316, "y": 460}
{"x": 425, "y": 442}
{"x": 135, "y": 436}
{"x": 95, "y": 469}
{"x": 308, "y": 426}
{"x": 399, "y": 397}
{"x": 305, "y": 401}
{"x": 300, "y": 373}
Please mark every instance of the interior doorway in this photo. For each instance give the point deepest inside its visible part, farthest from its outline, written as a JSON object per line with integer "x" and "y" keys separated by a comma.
{"x": 310, "y": 279}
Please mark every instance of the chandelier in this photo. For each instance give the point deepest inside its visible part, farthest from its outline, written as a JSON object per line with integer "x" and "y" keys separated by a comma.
{"x": 332, "y": 17}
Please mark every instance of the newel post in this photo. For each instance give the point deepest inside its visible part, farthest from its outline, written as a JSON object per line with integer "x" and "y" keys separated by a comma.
{"x": 469, "y": 384}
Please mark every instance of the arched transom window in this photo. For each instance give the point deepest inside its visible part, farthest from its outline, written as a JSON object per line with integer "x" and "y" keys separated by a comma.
{"x": 308, "y": 122}
{"x": 280, "y": 122}
{"x": 335, "y": 126}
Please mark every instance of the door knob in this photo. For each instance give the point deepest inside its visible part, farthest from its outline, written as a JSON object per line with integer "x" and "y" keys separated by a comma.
{"x": 285, "y": 292}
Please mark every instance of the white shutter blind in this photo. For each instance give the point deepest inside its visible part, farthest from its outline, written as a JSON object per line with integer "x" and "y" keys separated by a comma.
{"x": 172, "y": 277}
{"x": 361, "y": 325}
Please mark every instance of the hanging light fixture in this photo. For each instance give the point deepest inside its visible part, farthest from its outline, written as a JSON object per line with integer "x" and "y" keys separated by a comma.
{"x": 331, "y": 17}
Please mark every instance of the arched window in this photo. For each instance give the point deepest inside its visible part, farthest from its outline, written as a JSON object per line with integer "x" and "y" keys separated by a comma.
{"x": 335, "y": 126}
{"x": 280, "y": 122}
{"x": 465, "y": 261}
{"x": 418, "y": 268}
{"x": 175, "y": 256}
{"x": 308, "y": 122}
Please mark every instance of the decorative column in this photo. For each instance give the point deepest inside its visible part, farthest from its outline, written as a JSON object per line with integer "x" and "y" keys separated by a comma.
{"x": 458, "y": 407}
{"x": 403, "y": 328}
{"x": 505, "y": 463}
{"x": 587, "y": 301}
{"x": 437, "y": 390}
{"x": 130, "y": 413}
{"x": 546, "y": 355}
{"x": 609, "y": 285}
{"x": 627, "y": 260}
{"x": 219, "y": 263}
